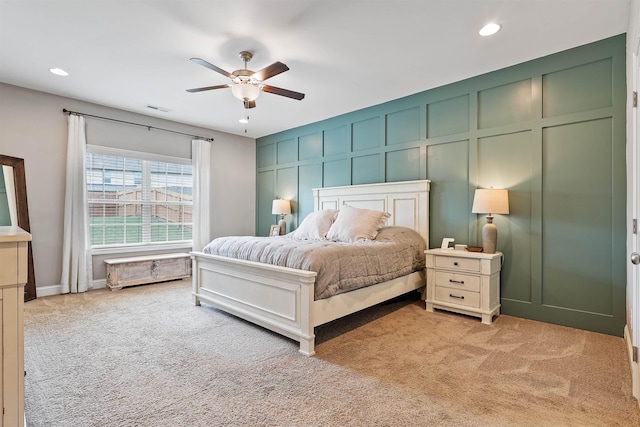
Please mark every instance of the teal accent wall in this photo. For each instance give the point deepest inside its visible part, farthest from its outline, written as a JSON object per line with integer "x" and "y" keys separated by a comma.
{"x": 551, "y": 130}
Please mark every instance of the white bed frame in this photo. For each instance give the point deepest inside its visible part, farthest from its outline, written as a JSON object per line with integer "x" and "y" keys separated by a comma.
{"x": 281, "y": 299}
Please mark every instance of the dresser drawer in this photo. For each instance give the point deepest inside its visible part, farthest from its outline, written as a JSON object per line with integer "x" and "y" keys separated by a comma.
{"x": 458, "y": 281}
{"x": 9, "y": 255}
{"x": 14, "y": 265}
{"x": 455, "y": 263}
{"x": 458, "y": 296}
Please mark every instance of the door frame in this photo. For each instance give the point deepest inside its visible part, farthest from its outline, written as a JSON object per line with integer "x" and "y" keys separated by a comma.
{"x": 632, "y": 329}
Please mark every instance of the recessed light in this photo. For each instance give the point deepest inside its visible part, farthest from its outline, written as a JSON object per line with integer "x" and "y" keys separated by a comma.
{"x": 490, "y": 29}
{"x": 244, "y": 120}
{"x": 58, "y": 72}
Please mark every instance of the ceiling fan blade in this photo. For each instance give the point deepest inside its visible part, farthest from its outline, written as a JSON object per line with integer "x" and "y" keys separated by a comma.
{"x": 212, "y": 67}
{"x": 270, "y": 71}
{"x": 249, "y": 104}
{"x": 200, "y": 89}
{"x": 283, "y": 92}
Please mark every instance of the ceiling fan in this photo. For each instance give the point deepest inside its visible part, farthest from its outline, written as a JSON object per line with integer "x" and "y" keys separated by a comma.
{"x": 246, "y": 85}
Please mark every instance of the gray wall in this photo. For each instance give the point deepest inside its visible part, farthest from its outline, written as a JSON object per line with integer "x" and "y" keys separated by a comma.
{"x": 34, "y": 128}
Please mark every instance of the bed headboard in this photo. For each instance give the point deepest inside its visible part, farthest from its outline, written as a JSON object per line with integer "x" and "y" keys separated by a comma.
{"x": 406, "y": 201}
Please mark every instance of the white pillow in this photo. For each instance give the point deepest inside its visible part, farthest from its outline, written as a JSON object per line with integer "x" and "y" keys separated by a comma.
{"x": 354, "y": 224}
{"x": 315, "y": 225}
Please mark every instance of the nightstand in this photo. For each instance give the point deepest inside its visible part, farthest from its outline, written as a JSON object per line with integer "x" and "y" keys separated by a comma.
{"x": 464, "y": 282}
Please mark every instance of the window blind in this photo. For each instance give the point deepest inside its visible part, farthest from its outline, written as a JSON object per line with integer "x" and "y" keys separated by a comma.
{"x": 133, "y": 201}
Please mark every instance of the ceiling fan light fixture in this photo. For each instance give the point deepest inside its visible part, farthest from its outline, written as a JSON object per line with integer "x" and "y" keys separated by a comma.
{"x": 245, "y": 91}
{"x": 246, "y": 85}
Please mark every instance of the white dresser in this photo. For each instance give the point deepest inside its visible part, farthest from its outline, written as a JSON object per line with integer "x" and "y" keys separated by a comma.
{"x": 464, "y": 282}
{"x": 13, "y": 276}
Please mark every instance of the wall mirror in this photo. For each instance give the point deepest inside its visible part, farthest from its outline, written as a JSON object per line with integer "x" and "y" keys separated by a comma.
{"x": 14, "y": 209}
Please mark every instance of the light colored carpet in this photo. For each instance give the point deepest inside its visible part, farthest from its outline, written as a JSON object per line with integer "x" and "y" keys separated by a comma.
{"x": 145, "y": 356}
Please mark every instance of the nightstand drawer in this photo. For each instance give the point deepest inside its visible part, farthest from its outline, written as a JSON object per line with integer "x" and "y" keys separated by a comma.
{"x": 458, "y": 281}
{"x": 455, "y": 263}
{"x": 457, "y": 296}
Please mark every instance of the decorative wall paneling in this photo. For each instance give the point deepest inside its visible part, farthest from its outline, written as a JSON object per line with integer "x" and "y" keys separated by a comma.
{"x": 551, "y": 130}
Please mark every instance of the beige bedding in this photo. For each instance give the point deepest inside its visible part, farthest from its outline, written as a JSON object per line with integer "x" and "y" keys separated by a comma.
{"x": 341, "y": 267}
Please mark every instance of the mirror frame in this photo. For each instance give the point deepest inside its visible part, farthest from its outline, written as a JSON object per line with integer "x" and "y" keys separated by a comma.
{"x": 22, "y": 209}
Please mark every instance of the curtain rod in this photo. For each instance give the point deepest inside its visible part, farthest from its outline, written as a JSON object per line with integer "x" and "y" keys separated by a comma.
{"x": 64, "y": 110}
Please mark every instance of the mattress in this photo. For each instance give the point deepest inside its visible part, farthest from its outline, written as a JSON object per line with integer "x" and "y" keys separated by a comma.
{"x": 341, "y": 267}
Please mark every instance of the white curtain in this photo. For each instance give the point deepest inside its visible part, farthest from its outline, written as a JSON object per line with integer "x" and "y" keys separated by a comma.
{"x": 76, "y": 254}
{"x": 201, "y": 161}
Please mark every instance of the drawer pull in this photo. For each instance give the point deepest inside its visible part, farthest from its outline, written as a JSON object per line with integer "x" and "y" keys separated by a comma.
{"x": 460, "y": 282}
{"x": 456, "y": 296}
{"x": 455, "y": 263}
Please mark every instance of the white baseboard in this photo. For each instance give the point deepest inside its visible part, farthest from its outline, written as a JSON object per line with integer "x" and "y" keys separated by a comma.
{"x": 47, "y": 291}
{"x": 635, "y": 368}
{"x": 99, "y": 284}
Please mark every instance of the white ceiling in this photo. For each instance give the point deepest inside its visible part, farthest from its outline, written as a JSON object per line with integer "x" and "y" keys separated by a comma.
{"x": 343, "y": 54}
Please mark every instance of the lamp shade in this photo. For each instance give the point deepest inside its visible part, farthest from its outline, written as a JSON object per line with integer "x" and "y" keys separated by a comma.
{"x": 491, "y": 201}
{"x": 281, "y": 207}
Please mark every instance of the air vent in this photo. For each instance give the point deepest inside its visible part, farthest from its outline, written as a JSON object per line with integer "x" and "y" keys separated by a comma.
{"x": 154, "y": 107}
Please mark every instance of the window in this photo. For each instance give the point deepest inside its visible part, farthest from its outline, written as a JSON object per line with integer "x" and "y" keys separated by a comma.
{"x": 135, "y": 201}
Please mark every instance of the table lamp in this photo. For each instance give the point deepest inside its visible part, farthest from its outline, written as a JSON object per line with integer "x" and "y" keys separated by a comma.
{"x": 490, "y": 201}
{"x": 282, "y": 208}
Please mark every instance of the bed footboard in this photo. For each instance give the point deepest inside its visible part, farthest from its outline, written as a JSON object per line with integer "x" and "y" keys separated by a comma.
{"x": 277, "y": 298}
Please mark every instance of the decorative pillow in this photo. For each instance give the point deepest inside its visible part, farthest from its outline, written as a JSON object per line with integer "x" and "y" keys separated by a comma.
{"x": 315, "y": 225}
{"x": 354, "y": 224}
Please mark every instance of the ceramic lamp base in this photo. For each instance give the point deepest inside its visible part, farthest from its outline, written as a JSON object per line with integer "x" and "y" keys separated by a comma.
{"x": 489, "y": 237}
{"x": 283, "y": 226}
